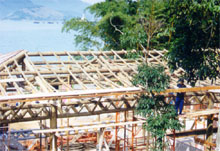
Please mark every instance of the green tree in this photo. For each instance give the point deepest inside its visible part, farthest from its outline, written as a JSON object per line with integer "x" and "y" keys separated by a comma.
{"x": 160, "y": 116}
{"x": 122, "y": 24}
{"x": 195, "y": 38}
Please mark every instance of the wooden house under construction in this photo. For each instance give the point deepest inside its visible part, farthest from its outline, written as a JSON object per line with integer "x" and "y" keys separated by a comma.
{"x": 84, "y": 100}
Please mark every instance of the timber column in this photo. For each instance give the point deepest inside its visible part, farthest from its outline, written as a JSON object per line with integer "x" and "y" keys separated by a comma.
{"x": 209, "y": 131}
{"x": 53, "y": 125}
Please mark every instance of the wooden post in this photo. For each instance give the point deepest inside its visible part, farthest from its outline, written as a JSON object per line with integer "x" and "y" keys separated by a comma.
{"x": 116, "y": 132}
{"x": 101, "y": 138}
{"x": 132, "y": 130}
{"x": 41, "y": 133}
{"x": 218, "y": 134}
{"x": 53, "y": 125}
{"x": 125, "y": 120}
{"x": 98, "y": 133}
{"x": 144, "y": 133}
{"x": 148, "y": 141}
{"x": 116, "y": 128}
{"x": 68, "y": 121}
{"x": 196, "y": 128}
{"x": 174, "y": 141}
{"x": 68, "y": 124}
{"x": 209, "y": 132}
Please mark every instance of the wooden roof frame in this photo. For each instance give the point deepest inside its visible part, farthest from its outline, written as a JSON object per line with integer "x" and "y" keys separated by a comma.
{"x": 32, "y": 73}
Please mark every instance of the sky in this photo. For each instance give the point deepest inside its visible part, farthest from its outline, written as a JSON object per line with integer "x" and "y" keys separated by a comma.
{"x": 67, "y": 4}
{"x": 77, "y": 6}
{"x": 92, "y": 1}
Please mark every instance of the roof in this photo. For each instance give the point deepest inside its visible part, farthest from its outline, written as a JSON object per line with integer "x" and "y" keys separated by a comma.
{"x": 24, "y": 72}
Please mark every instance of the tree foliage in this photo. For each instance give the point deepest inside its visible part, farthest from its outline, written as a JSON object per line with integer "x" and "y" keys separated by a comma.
{"x": 195, "y": 38}
{"x": 122, "y": 24}
{"x": 153, "y": 79}
{"x": 160, "y": 116}
{"x": 86, "y": 36}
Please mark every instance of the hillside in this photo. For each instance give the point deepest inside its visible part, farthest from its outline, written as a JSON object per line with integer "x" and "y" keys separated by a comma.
{"x": 9, "y": 6}
{"x": 35, "y": 13}
{"x": 31, "y": 10}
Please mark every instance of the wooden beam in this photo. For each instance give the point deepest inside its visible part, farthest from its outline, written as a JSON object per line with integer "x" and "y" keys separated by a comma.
{"x": 12, "y": 80}
{"x": 84, "y": 62}
{"x": 75, "y": 71}
{"x": 53, "y": 125}
{"x": 38, "y": 106}
{"x": 70, "y": 94}
{"x": 204, "y": 142}
{"x": 195, "y": 132}
{"x": 88, "y": 127}
{"x": 65, "y": 115}
{"x": 194, "y": 89}
{"x": 206, "y": 112}
{"x": 75, "y": 53}
{"x": 209, "y": 131}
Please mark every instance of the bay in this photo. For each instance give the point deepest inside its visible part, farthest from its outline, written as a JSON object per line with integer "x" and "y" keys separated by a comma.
{"x": 34, "y": 36}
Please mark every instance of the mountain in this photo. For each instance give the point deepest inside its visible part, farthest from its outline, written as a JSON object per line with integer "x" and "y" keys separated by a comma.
{"x": 70, "y": 8}
{"x": 46, "y": 10}
{"x": 8, "y": 6}
{"x": 35, "y": 13}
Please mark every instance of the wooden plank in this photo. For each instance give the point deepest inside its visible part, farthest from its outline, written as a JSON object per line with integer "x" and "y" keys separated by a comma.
{"x": 88, "y": 127}
{"x": 2, "y": 90}
{"x": 75, "y": 53}
{"x": 215, "y": 91}
{"x": 200, "y": 113}
{"x": 71, "y": 94}
{"x": 12, "y": 80}
{"x": 188, "y": 133}
{"x": 194, "y": 89}
{"x": 199, "y": 140}
{"x": 75, "y": 71}
{"x": 83, "y": 62}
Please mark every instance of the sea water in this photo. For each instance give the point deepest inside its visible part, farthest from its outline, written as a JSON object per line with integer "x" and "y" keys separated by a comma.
{"x": 34, "y": 36}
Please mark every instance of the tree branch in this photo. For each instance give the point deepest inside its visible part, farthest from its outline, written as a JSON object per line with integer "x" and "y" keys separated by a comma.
{"x": 116, "y": 29}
